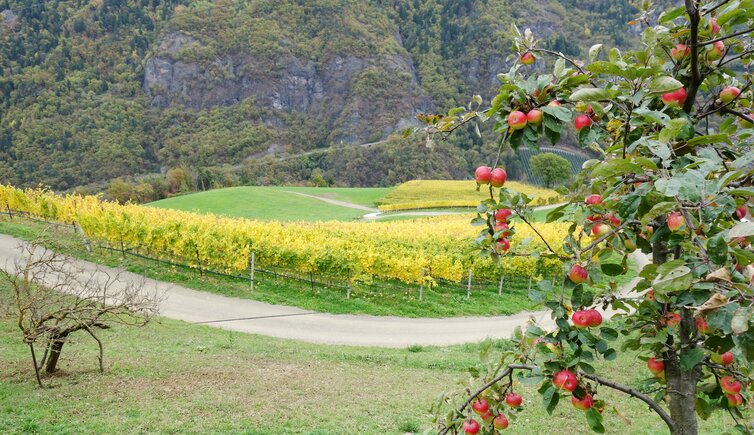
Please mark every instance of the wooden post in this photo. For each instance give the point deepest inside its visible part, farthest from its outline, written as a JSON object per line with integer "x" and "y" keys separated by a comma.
{"x": 348, "y": 285}
{"x": 421, "y": 286}
{"x": 251, "y": 271}
{"x": 468, "y": 287}
{"x": 500, "y": 289}
{"x": 77, "y": 228}
{"x": 10, "y": 213}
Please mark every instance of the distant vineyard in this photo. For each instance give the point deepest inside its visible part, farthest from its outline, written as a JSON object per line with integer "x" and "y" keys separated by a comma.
{"x": 451, "y": 193}
{"x": 360, "y": 251}
{"x": 575, "y": 159}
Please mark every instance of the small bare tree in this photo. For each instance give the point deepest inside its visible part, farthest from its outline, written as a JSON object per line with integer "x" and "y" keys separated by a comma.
{"x": 55, "y": 296}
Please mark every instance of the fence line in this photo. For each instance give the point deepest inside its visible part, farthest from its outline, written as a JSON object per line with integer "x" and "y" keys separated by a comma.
{"x": 473, "y": 285}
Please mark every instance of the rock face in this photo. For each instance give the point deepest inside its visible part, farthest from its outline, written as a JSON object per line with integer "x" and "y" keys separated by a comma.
{"x": 285, "y": 85}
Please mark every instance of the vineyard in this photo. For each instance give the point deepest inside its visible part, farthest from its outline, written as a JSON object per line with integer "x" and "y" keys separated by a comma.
{"x": 419, "y": 194}
{"x": 413, "y": 252}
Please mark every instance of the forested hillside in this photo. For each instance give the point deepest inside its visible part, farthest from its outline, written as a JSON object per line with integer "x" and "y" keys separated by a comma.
{"x": 93, "y": 90}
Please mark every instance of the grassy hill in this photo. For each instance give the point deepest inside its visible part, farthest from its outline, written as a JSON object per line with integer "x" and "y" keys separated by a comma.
{"x": 424, "y": 194}
{"x": 277, "y": 203}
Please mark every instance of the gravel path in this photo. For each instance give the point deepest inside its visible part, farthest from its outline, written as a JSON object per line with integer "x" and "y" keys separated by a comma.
{"x": 294, "y": 323}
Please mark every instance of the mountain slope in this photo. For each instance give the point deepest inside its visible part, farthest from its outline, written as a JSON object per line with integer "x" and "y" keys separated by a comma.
{"x": 93, "y": 90}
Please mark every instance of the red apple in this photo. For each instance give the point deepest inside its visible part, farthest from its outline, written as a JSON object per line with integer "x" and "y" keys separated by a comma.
{"x": 583, "y": 404}
{"x": 480, "y": 406}
{"x": 535, "y": 116}
{"x": 554, "y": 103}
{"x": 734, "y": 400}
{"x": 594, "y": 218}
{"x": 600, "y": 229}
{"x": 680, "y": 51}
{"x": 578, "y": 274}
{"x": 729, "y": 93}
{"x": 701, "y": 325}
{"x": 527, "y": 58}
{"x": 741, "y": 212}
{"x": 650, "y": 295}
{"x": 717, "y": 51}
{"x": 581, "y": 121}
{"x": 730, "y": 385}
{"x": 488, "y": 416}
{"x": 593, "y": 200}
{"x": 581, "y": 319}
{"x": 513, "y": 400}
{"x": 498, "y": 177}
{"x": 727, "y": 358}
{"x": 500, "y": 422}
{"x": 565, "y": 380}
{"x": 502, "y": 246}
{"x": 671, "y": 319}
{"x": 675, "y": 221}
{"x": 501, "y": 226}
{"x": 714, "y": 28}
{"x": 503, "y": 214}
{"x": 655, "y": 366}
{"x": 517, "y": 120}
{"x": 675, "y": 98}
{"x": 471, "y": 427}
{"x": 595, "y": 316}
{"x": 613, "y": 219}
{"x": 482, "y": 175}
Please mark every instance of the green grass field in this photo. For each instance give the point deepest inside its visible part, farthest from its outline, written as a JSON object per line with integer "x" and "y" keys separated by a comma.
{"x": 172, "y": 377}
{"x": 277, "y": 203}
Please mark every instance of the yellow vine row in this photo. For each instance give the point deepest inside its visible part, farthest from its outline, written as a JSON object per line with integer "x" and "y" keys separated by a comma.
{"x": 364, "y": 250}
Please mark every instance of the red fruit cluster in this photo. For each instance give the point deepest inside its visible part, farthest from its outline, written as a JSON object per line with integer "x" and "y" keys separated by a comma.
{"x": 486, "y": 175}
{"x": 586, "y": 318}
{"x": 482, "y": 408}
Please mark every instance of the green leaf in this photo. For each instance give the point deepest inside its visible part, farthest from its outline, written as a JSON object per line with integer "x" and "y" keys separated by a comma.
{"x": 611, "y": 269}
{"x": 616, "y": 167}
{"x": 740, "y": 321}
{"x": 673, "y": 129}
{"x": 560, "y": 113}
{"x": 691, "y": 358}
{"x": 717, "y": 249}
{"x": 594, "y": 94}
{"x": 743, "y": 191}
{"x": 710, "y": 139}
{"x": 610, "y": 354}
{"x": 594, "y": 51}
{"x": 663, "y": 84}
{"x": 594, "y": 419}
{"x": 550, "y": 399}
{"x": 672, "y": 14}
{"x": 677, "y": 279}
{"x": 653, "y": 115}
{"x": 601, "y": 67}
{"x": 743, "y": 229}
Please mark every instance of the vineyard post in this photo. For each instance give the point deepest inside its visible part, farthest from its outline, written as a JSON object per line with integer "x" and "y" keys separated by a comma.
{"x": 77, "y": 228}
{"x": 500, "y": 288}
{"x": 10, "y": 212}
{"x": 251, "y": 271}
{"x": 348, "y": 285}
{"x": 421, "y": 286}
{"x": 468, "y": 287}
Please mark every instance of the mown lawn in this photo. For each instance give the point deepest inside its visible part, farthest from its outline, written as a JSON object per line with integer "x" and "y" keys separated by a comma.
{"x": 173, "y": 377}
{"x": 276, "y": 203}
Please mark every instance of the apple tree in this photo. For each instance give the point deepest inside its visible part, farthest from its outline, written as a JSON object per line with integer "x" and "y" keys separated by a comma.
{"x": 672, "y": 123}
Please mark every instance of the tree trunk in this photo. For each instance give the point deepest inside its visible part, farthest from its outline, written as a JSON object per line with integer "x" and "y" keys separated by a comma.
{"x": 682, "y": 391}
{"x": 681, "y": 383}
{"x": 56, "y": 346}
